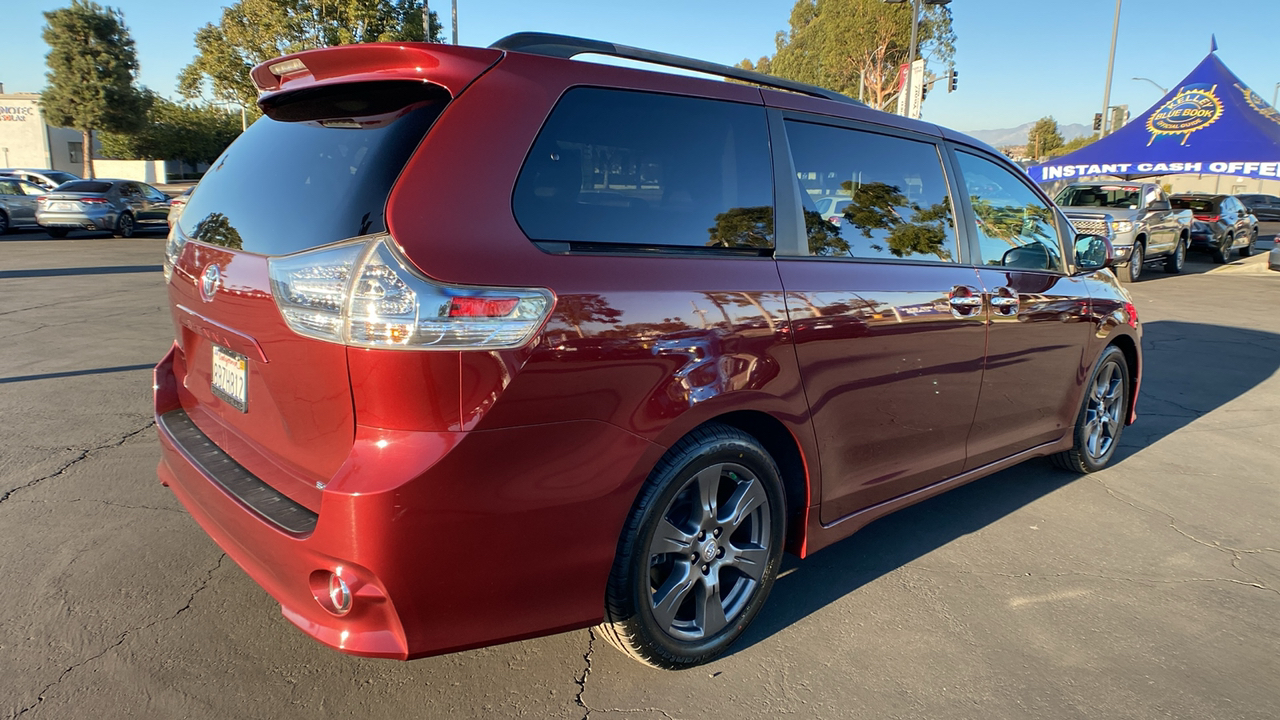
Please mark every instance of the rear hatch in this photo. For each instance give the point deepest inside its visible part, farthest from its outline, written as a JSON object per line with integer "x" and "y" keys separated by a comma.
{"x": 315, "y": 170}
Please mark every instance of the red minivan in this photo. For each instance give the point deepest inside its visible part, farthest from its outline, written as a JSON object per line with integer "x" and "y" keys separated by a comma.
{"x": 474, "y": 345}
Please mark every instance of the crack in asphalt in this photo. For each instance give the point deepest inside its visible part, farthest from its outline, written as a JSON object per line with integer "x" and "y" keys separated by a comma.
{"x": 107, "y": 502}
{"x": 83, "y": 455}
{"x": 1235, "y": 553}
{"x": 208, "y": 576}
{"x": 581, "y": 680}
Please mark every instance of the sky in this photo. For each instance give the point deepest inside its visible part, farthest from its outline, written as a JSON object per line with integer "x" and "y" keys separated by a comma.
{"x": 1017, "y": 60}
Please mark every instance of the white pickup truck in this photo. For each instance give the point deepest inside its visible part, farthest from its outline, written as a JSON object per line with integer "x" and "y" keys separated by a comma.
{"x": 1136, "y": 217}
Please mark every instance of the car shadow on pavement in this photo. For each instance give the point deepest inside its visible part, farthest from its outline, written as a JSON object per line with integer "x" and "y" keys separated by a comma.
{"x": 1173, "y": 394}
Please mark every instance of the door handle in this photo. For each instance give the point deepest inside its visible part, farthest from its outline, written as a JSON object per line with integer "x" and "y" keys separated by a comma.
{"x": 965, "y": 301}
{"x": 1004, "y": 301}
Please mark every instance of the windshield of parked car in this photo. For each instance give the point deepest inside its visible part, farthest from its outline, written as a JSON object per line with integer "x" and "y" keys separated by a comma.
{"x": 60, "y": 177}
{"x": 1112, "y": 196}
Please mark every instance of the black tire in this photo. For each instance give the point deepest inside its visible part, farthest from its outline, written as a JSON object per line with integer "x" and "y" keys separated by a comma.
{"x": 715, "y": 595}
{"x": 125, "y": 226}
{"x": 4, "y": 223}
{"x": 1133, "y": 272}
{"x": 1247, "y": 249}
{"x": 1174, "y": 262}
{"x": 1102, "y": 415}
{"x": 1222, "y": 253}
{"x": 57, "y": 232}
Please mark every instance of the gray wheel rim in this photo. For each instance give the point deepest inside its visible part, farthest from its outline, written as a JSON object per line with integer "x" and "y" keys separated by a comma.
{"x": 1135, "y": 263}
{"x": 126, "y": 226}
{"x": 4, "y": 223}
{"x": 1180, "y": 255}
{"x": 1102, "y": 417}
{"x": 709, "y": 552}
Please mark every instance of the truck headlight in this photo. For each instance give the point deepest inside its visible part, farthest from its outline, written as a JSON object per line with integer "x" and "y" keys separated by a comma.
{"x": 1122, "y": 226}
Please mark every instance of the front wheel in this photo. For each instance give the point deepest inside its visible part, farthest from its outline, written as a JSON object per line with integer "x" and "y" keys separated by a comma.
{"x": 1247, "y": 250}
{"x": 699, "y": 553}
{"x": 1134, "y": 270}
{"x": 1173, "y": 264}
{"x": 1102, "y": 416}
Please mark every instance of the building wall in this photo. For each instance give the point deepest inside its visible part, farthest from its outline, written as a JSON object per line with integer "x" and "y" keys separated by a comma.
{"x": 23, "y": 140}
{"x": 147, "y": 171}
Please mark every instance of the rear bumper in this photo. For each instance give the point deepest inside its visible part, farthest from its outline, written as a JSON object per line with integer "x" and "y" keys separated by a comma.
{"x": 104, "y": 221}
{"x": 449, "y": 540}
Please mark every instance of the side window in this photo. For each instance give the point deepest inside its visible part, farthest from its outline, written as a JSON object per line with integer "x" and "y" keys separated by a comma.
{"x": 31, "y": 188}
{"x": 1014, "y": 226}
{"x": 867, "y": 195}
{"x": 75, "y": 152}
{"x": 8, "y": 187}
{"x": 617, "y": 167}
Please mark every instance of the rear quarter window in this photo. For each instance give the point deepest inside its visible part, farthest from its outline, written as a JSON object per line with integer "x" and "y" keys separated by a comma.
{"x": 626, "y": 168}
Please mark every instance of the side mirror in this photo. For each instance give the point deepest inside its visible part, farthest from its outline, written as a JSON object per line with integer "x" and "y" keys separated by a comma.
{"x": 1094, "y": 252}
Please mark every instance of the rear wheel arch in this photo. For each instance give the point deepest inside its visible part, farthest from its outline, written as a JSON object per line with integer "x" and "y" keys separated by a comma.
{"x": 781, "y": 444}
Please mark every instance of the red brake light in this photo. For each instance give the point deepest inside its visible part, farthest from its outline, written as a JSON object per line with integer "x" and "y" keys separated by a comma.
{"x": 42, "y": 198}
{"x": 1208, "y": 218}
{"x": 1132, "y": 311}
{"x": 482, "y": 306}
{"x": 93, "y": 201}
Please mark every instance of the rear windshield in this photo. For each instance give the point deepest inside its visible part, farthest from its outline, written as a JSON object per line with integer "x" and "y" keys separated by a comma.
{"x": 60, "y": 177}
{"x": 84, "y": 186}
{"x": 316, "y": 169}
{"x": 1112, "y": 196}
{"x": 1193, "y": 204}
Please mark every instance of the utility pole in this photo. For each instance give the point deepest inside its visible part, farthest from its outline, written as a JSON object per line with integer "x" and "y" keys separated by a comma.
{"x": 455, "y": 22}
{"x": 911, "y": 59}
{"x": 426, "y": 22}
{"x": 1111, "y": 62}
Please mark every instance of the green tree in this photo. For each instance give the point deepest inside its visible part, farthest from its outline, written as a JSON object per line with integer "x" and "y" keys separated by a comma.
{"x": 252, "y": 32}
{"x": 1044, "y": 138}
{"x": 172, "y": 131}
{"x": 848, "y": 45}
{"x": 92, "y": 67}
{"x": 1074, "y": 145}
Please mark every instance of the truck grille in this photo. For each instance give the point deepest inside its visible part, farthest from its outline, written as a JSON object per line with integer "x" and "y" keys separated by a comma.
{"x": 1091, "y": 226}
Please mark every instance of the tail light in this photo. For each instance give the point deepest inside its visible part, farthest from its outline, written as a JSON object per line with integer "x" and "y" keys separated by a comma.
{"x": 1208, "y": 218}
{"x": 172, "y": 249}
{"x": 365, "y": 294}
{"x": 42, "y": 198}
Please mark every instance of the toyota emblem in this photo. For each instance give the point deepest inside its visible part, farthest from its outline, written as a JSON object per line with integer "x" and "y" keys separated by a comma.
{"x": 209, "y": 282}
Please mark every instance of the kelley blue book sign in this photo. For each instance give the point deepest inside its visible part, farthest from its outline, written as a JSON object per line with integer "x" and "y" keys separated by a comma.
{"x": 1210, "y": 123}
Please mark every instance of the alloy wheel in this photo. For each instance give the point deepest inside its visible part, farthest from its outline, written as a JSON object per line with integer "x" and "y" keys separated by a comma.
{"x": 709, "y": 552}
{"x": 125, "y": 226}
{"x": 1135, "y": 263}
{"x": 4, "y": 223}
{"x": 1103, "y": 414}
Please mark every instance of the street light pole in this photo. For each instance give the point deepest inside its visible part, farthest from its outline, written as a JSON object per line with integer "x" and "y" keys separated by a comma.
{"x": 911, "y": 58}
{"x": 1111, "y": 62}
{"x": 1153, "y": 82}
{"x": 1274, "y": 94}
{"x": 455, "y": 22}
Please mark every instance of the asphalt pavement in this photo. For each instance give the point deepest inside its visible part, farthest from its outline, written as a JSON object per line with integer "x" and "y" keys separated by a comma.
{"x": 1148, "y": 590}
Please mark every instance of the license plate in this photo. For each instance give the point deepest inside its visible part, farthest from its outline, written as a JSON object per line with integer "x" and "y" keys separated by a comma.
{"x": 231, "y": 378}
{"x": 60, "y": 206}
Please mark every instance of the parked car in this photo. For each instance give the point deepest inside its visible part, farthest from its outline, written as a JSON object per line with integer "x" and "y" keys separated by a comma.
{"x": 1264, "y": 207}
{"x": 176, "y": 204}
{"x": 424, "y": 421}
{"x": 17, "y": 203}
{"x": 1273, "y": 257}
{"x": 1144, "y": 227}
{"x": 47, "y": 179}
{"x": 121, "y": 206}
{"x": 831, "y": 208}
{"x": 1222, "y": 224}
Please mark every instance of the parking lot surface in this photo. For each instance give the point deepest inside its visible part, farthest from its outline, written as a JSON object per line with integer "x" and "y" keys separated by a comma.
{"x": 1148, "y": 590}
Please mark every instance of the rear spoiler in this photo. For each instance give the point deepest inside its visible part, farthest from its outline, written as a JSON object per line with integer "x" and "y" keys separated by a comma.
{"x": 448, "y": 66}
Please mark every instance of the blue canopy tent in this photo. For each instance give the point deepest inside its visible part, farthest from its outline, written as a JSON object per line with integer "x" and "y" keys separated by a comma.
{"x": 1210, "y": 123}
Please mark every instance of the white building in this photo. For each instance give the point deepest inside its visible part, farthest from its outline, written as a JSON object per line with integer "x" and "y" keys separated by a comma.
{"x": 26, "y": 140}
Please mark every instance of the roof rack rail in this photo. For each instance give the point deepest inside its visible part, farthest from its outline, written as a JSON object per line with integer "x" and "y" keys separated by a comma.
{"x": 567, "y": 46}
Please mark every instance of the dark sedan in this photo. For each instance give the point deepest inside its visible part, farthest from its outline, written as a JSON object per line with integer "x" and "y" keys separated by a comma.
{"x": 1222, "y": 223}
{"x": 1264, "y": 207}
{"x": 119, "y": 206}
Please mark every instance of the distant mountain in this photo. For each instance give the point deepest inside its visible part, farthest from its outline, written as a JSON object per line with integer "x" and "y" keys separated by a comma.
{"x": 1018, "y": 135}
